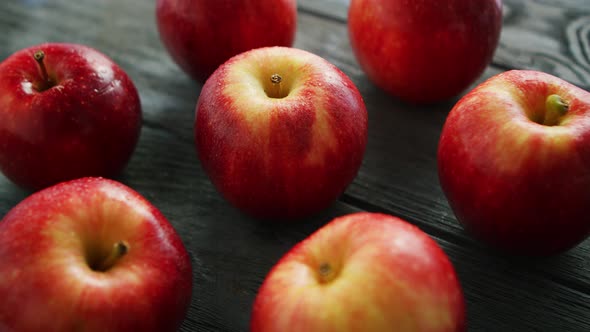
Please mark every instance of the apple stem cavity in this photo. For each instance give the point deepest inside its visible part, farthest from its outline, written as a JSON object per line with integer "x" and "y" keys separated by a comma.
{"x": 555, "y": 108}
{"x": 119, "y": 250}
{"x": 39, "y": 57}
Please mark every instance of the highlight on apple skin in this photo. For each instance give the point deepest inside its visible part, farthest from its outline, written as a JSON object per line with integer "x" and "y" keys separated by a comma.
{"x": 200, "y": 35}
{"x": 362, "y": 272}
{"x": 424, "y": 51}
{"x": 281, "y": 132}
{"x": 66, "y": 111}
{"x": 91, "y": 255}
{"x": 514, "y": 163}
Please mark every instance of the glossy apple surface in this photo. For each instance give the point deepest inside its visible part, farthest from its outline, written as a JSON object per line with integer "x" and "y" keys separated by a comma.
{"x": 362, "y": 272}
{"x": 200, "y": 35}
{"x": 80, "y": 116}
{"x": 424, "y": 51}
{"x": 517, "y": 174}
{"x": 280, "y": 150}
{"x": 91, "y": 255}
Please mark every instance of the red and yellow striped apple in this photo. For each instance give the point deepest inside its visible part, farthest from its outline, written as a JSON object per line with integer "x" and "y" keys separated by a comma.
{"x": 280, "y": 132}
{"x": 362, "y": 272}
{"x": 424, "y": 51}
{"x": 200, "y": 35}
{"x": 91, "y": 255}
{"x": 514, "y": 162}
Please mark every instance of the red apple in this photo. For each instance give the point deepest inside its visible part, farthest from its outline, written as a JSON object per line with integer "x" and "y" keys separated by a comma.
{"x": 514, "y": 163}
{"x": 281, "y": 132}
{"x": 200, "y": 35}
{"x": 91, "y": 255}
{"x": 362, "y": 272}
{"x": 424, "y": 51}
{"x": 66, "y": 111}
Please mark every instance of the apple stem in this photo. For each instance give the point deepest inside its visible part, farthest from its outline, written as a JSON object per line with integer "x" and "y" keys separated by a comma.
{"x": 119, "y": 250}
{"x": 555, "y": 107}
{"x": 39, "y": 57}
{"x": 326, "y": 272}
{"x": 276, "y": 80}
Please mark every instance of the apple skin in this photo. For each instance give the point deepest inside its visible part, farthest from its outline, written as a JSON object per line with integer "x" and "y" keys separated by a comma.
{"x": 87, "y": 124}
{"x": 280, "y": 158}
{"x": 384, "y": 275}
{"x": 518, "y": 185}
{"x": 46, "y": 247}
{"x": 424, "y": 51}
{"x": 200, "y": 35}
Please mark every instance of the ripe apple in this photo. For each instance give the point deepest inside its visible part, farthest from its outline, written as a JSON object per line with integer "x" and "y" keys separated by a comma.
{"x": 91, "y": 255}
{"x": 281, "y": 132}
{"x": 66, "y": 111}
{"x": 514, "y": 162}
{"x": 424, "y": 51}
{"x": 200, "y": 35}
{"x": 362, "y": 272}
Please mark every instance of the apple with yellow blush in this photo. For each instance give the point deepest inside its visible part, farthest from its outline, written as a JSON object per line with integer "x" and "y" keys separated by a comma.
{"x": 362, "y": 272}
{"x": 281, "y": 132}
{"x": 91, "y": 255}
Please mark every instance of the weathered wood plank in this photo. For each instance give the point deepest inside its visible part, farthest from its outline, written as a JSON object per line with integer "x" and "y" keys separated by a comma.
{"x": 334, "y": 9}
{"x": 551, "y": 36}
{"x": 232, "y": 253}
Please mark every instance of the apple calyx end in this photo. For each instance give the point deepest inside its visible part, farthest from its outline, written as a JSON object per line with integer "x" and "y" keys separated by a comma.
{"x": 119, "y": 250}
{"x": 555, "y": 108}
{"x": 39, "y": 56}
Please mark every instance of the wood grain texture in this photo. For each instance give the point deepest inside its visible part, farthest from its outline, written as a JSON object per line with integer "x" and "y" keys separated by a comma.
{"x": 551, "y": 36}
{"x": 231, "y": 253}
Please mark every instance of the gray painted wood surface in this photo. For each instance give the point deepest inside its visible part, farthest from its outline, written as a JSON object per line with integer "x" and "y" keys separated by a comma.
{"x": 231, "y": 252}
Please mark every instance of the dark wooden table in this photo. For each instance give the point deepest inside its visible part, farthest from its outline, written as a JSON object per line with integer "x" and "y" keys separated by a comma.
{"x": 231, "y": 252}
